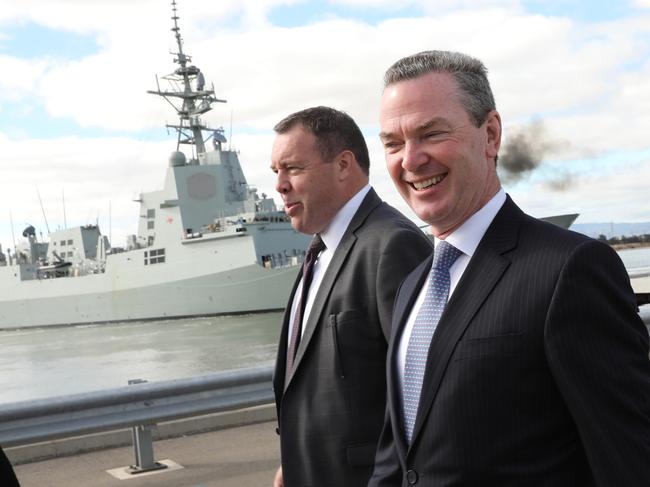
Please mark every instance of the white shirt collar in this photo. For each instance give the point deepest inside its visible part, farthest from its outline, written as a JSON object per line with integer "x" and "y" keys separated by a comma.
{"x": 333, "y": 234}
{"x": 467, "y": 237}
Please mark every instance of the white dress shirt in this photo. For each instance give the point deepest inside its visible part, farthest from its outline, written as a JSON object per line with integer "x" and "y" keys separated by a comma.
{"x": 466, "y": 239}
{"x": 331, "y": 236}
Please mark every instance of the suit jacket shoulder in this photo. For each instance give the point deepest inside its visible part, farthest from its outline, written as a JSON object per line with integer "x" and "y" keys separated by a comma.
{"x": 393, "y": 244}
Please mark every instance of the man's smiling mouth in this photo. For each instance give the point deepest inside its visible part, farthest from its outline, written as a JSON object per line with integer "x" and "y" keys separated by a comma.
{"x": 427, "y": 183}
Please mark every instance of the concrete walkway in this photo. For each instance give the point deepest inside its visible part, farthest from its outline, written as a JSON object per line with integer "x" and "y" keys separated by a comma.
{"x": 245, "y": 456}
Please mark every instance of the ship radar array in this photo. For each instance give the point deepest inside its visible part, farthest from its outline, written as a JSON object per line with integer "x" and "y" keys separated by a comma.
{"x": 189, "y": 98}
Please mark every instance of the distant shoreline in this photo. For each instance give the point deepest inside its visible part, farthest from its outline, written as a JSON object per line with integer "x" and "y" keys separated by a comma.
{"x": 625, "y": 246}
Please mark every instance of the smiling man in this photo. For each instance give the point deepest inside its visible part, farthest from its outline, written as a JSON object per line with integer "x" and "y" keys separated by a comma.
{"x": 517, "y": 356}
{"x": 329, "y": 380}
{"x": 441, "y": 161}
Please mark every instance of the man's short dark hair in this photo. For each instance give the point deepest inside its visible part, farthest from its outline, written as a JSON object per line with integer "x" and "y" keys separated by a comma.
{"x": 470, "y": 75}
{"x": 335, "y": 131}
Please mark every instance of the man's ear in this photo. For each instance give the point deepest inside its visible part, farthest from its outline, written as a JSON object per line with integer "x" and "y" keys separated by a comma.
{"x": 345, "y": 162}
{"x": 493, "y": 134}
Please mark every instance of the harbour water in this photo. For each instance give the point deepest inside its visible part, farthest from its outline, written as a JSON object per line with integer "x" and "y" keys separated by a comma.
{"x": 46, "y": 362}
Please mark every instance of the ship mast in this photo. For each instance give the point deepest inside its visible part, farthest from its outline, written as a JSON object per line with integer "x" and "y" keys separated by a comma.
{"x": 189, "y": 102}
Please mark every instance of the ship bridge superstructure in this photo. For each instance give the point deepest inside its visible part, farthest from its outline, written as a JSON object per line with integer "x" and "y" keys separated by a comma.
{"x": 205, "y": 190}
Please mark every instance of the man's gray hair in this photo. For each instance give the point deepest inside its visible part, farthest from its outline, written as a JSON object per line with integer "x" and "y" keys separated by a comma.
{"x": 470, "y": 75}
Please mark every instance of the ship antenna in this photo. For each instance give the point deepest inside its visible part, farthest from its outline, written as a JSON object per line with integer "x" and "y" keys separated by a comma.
{"x": 193, "y": 102}
{"x": 230, "y": 134}
{"x": 13, "y": 236}
{"x": 43, "y": 210}
{"x": 65, "y": 220}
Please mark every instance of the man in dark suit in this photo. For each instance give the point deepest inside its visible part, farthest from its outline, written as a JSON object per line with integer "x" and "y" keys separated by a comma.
{"x": 7, "y": 475}
{"x": 329, "y": 378}
{"x": 517, "y": 357}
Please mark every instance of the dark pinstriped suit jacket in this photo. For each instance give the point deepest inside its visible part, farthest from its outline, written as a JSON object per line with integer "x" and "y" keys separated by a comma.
{"x": 538, "y": 372}
{"x": 330, "y": 413}
{"x": 7, "y": 475}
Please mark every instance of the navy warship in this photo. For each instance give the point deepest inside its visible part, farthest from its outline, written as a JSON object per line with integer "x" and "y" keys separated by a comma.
{"x": 207, "y": 243}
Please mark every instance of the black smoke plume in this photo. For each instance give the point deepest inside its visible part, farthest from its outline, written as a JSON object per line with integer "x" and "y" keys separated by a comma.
{"x": 524, "y": 150}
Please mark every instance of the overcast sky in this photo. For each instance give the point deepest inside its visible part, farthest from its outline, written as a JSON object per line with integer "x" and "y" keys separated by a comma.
{"x": 571, "y": 81}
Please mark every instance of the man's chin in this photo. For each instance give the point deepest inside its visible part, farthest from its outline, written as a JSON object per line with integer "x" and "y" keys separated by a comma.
{"x": 425, "y": 211}
{"x": 429, "y": 215}
{"x": 299, "y": 226}
{"x": 296, "y": 226}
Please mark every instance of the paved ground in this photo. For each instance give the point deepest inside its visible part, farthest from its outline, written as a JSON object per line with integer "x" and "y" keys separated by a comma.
{"x": 245, "y": 456}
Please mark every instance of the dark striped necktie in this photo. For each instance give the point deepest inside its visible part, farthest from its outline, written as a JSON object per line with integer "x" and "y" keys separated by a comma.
{"x": 315, "y": 247}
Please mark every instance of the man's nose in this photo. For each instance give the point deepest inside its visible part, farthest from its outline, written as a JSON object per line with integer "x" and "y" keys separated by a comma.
{"x": 413, "y": 156}
{"x": 282, "y": 183}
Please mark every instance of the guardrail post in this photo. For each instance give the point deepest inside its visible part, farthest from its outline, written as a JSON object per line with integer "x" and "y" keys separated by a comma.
{"x": 143, "y": 445}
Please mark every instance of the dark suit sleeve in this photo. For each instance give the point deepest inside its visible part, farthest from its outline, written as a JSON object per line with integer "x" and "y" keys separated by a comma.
{"x": 597, "y": 350}
{"x": 406, "y": 248}
{"x": 387, "y": 471}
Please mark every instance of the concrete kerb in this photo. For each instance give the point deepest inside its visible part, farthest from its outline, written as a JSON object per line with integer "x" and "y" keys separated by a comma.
{"x": 173, "y": 429}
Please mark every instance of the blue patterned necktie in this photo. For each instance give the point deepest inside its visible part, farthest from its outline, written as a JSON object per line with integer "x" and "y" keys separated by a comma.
{"x": 425, "y": 324}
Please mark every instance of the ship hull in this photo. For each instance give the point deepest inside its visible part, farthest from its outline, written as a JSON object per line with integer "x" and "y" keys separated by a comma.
{"x": 247, "y": 289}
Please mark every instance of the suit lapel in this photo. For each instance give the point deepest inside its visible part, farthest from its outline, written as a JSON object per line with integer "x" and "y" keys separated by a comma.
{"x": 484, "y": 271}
{"x": 408, "y": 293}
{"x": 369, "y": 203}
{"x": 281, "y": 360}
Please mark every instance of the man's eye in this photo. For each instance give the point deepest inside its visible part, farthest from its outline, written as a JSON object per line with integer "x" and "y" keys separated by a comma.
{"x": 391, "y": 145}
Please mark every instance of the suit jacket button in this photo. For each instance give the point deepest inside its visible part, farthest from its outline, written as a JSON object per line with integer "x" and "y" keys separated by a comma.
{"x": 412, "y": 477}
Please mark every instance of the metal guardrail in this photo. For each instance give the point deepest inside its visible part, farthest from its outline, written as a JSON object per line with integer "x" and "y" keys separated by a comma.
{"x": 136, "y": 406}
{"x": 639, "y": 272}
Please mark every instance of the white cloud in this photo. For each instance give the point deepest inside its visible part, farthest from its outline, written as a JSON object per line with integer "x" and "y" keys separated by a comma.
{"x": 19, "y": 78}
{"x": 431, "y": 7}
{"x": 587, "y": 82}
{"x": 90, "y": 172}
{"x": 536, "y": 65}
